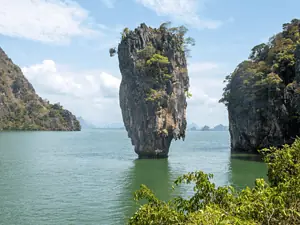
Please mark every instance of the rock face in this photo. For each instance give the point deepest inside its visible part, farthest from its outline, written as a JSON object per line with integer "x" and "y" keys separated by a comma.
{"x": 153, "y": 88}
{"x": 22, "y": 109}
{"x": 263, "y": 94}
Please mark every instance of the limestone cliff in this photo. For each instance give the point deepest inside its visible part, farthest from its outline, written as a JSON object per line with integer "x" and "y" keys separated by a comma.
{"x": 154, "y": 86}
{"x": 22, "y": 109}
{"x": 263, "y": 94}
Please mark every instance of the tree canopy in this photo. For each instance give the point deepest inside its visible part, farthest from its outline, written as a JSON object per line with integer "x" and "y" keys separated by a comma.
{"x": 268, "y": 61}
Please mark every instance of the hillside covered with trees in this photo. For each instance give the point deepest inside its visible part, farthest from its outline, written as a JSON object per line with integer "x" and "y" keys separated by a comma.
{"x": 22, "y": 109}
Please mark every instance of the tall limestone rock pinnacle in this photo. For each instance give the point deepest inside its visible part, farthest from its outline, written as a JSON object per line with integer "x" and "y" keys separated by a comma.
{"x": 154, "y": 87}
{"x": 263, "y": 94}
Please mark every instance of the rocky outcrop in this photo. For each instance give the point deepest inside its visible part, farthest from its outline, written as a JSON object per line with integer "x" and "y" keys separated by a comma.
{"x": 263, "y": 94}
{"x": 153, "y": 88}
{"x": 22, "y": 109}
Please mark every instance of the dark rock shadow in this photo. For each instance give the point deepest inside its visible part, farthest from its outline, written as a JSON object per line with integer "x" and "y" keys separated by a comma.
{"x": 245, "y": 168}
{"x": 247, "y": 157}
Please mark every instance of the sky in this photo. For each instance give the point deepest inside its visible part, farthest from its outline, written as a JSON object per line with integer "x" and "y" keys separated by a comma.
{"x": 62, "y": 47}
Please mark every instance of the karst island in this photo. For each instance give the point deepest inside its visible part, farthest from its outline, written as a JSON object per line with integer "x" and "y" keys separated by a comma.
{"x": 154, "y": 86}
{"x": 263, "y": 93}
{"x": 21, "y": 108}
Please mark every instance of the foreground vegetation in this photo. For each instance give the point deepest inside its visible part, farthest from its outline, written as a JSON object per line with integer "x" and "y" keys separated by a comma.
{"x": 275, "y": 202}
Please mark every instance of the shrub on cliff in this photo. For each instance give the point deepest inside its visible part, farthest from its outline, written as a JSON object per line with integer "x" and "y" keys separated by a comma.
{"x": 275, "y": 60}
{"x": 274, "y": 203}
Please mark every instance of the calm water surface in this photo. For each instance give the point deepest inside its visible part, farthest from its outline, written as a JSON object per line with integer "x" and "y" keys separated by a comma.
{"x": 89, "y": 177}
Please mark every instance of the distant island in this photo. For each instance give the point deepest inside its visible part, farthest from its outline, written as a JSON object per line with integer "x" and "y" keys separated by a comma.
{"x": 205, "y": 128}
{"x": 90, "y": 125}
{"x": 220, "y": 127}
{"x": 195, "y": 127}
{"x": 84, "y": 124}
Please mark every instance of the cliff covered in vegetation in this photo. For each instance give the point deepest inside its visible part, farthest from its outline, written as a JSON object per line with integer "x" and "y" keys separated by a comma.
{"x": 263, "y": 93}
{"x": 154, "y": 86}
{"x": 22, "y": 109}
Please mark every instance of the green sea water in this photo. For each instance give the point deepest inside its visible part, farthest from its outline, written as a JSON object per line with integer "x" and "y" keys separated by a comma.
{"x": 89, "y": 177}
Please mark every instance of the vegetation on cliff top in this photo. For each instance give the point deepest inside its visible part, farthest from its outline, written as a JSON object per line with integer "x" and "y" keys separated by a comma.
{"x": 153, "y": 60}
{"x": 183, "y": 42}
{"x": 273, "y": 202}
{"x": 22, "y": 109}
{"x": 270, "y": 68}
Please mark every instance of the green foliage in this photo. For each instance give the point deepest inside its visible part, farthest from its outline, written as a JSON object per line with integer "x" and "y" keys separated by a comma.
{"x": 147, "y": 52}
{"x": 157, "y": 59}
{"x": 154, "y": 95}
{"x": 153, "y": 61}
{"x": 125, "y": 32}
{"x": 284, "y": 164}
{"x": 150, "y": 60}
{"x": 23, "y": 109}
{"x": 277, "y": 203}
{"x": 183, "y": 70}
{"x": 271, "y": 67}
{"x": 182, "y": 30}
{"x": 164, "y": 26}
{"x": 156, "y": 66}
{"x": 167, "y": 76}
{"x": 188, "y": 94}
{"x": 190, "y": 41}
{"x": 185, "y": 46}
{"x": 165, "y": 131}
{"x": 179, "y": 32}
{"x": 259, "y": 52}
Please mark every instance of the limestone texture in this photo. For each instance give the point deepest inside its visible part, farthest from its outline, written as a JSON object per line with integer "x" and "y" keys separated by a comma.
{"x": 153, "y": 89}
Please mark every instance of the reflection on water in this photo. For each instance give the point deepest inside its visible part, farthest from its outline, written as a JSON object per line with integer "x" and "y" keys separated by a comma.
{"x": 153, "y": 173}
{"x": 245, "y": 168}
{"x": 158, "y": 176}
{"x": 247, "y": 157}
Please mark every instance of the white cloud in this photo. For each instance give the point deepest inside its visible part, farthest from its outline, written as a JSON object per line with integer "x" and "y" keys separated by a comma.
{"x": 206, "y": 86}
{"x": 50, "y": 79}
{"x": 91, "y": 94}
{"x": 94, "y": 94}
{"x": 182, "y": 10}
{"x": 52, "y": 21}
